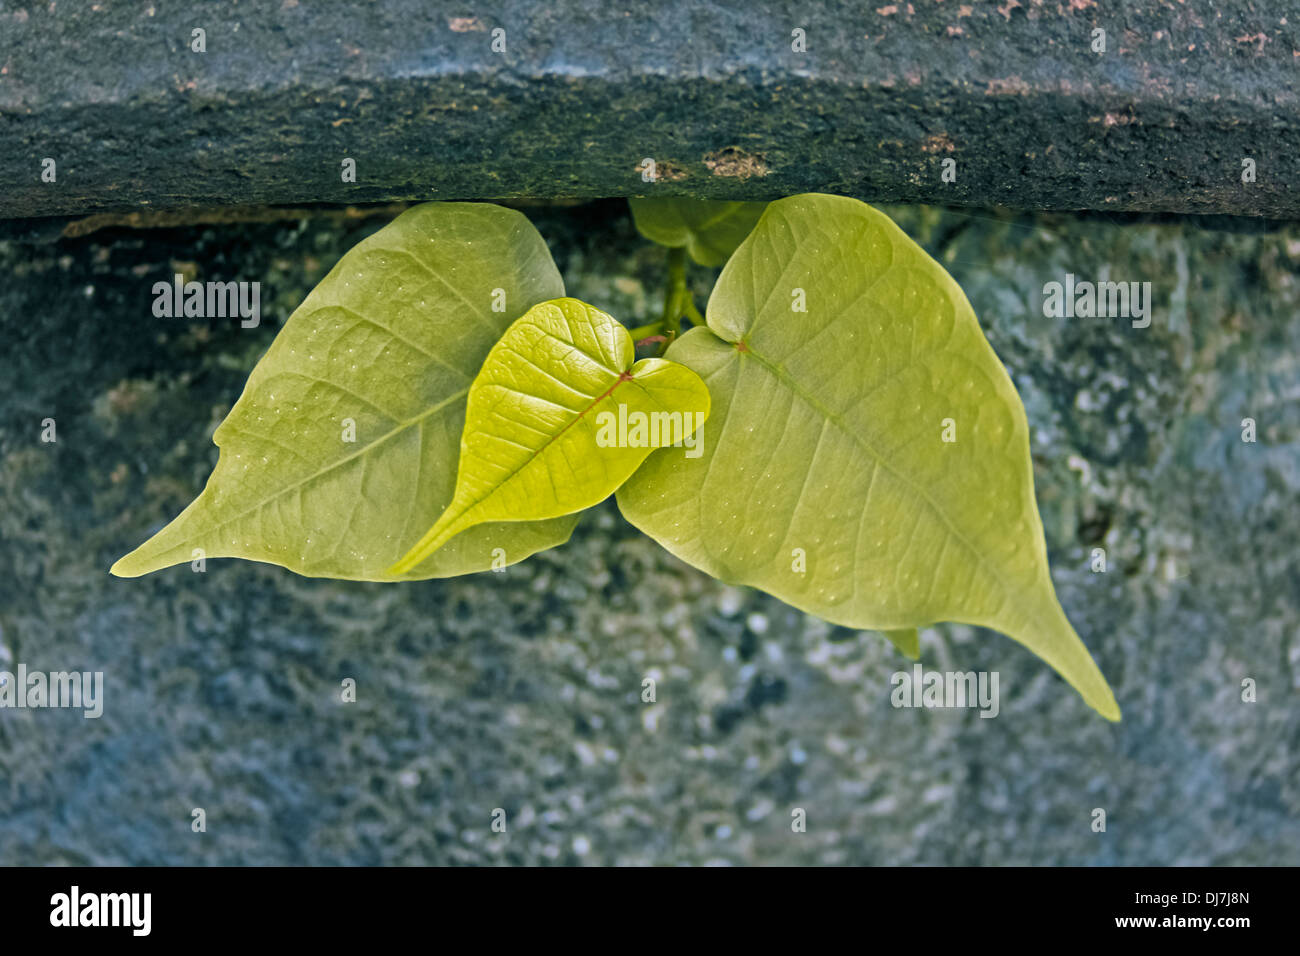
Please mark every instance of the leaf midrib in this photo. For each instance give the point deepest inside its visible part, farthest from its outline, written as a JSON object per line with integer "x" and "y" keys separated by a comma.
{"x": 743, "y": 349}
{"x": 402, "y": 426}
{"x": 621, "y": 377}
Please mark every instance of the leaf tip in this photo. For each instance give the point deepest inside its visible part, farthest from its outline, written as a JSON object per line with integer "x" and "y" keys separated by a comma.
{"x": 407, "y": 562}
{"x": 907, "y": 641}
{"x": 446, "y": 527}
{"x": 1109, "y": 708}
{"x": 402, "y": 567}
{"x": 125, "y": 567}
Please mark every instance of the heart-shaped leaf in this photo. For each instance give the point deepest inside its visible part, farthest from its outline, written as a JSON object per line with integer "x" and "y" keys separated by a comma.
{"x": 868, "y": 457}
{"x": 343, "y": 446}
{"x": 710, "y": 231}
{"x": 559, "y": 417}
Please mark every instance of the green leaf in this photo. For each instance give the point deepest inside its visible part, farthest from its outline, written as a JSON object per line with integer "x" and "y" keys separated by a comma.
{"x": 710, "y": 231}
{"x": 390, "y": 341}
{"x": 826, "y": 480}
{"x": 553, "y": 421}
{"x": 907, "y": 641}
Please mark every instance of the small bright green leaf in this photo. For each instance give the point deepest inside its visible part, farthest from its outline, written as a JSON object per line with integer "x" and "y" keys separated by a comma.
{"x": 908, "y": 642}
{"x": 559, "y": 417}
{"x": 827, "y": 480}
{"x": 710, "y": 231}
{"x": 343, "y": 447}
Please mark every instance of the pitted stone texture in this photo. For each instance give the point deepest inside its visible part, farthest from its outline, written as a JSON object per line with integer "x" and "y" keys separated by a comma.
{"x": 523, "y": 690}
{"x": 585, "y": 90}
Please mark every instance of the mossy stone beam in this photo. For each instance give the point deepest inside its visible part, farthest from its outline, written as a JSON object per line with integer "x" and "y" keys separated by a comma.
{"x": 1176, "y": 107}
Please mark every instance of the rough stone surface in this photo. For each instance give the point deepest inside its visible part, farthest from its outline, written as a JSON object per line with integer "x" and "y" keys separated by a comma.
{"x": 521, "y": 690}
{"x": 587, "y": 89}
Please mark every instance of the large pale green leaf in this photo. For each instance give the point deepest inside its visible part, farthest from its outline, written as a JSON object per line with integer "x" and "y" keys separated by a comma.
{"x": 389, "y": 341}
{"x": 559, "y": 417}
{"x": 826, "y": 480}
{"x": 710, "y": 231}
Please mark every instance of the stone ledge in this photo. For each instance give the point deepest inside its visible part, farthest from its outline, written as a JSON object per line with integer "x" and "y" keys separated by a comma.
{"x": 585, "y": 90}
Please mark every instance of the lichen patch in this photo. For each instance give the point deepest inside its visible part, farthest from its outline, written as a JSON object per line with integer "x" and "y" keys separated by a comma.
{"x": 733, "y": 161}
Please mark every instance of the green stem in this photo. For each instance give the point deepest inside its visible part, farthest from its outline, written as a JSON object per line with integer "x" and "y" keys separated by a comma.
{"x": 678, "y": 302}
{"x": 645, "y": 331}
{"x": 675, "y": 294}
{"x": 693, "y": 313}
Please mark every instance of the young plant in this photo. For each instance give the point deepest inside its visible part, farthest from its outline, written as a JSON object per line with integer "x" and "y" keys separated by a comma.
{"x": 436, "y": 407}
